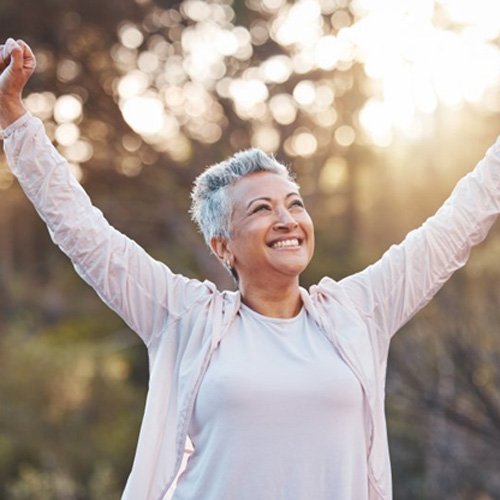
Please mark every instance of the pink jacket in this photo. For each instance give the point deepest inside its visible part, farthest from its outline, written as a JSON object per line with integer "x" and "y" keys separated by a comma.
{"x": 182, "y": 321}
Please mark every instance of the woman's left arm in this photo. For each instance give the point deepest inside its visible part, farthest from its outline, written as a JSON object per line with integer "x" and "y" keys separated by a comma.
{"x": 408, "y": 275}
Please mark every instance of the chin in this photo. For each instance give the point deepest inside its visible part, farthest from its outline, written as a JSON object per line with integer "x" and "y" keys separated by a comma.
{"x": 292, "y": 270}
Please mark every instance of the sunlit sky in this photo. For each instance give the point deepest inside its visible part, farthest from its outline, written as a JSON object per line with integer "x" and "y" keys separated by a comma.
{"x": 418, "y": 62}
{"x": 418, "y": 54}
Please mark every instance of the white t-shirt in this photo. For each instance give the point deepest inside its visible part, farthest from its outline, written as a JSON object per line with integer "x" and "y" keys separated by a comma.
{"x": 279, "y": 416}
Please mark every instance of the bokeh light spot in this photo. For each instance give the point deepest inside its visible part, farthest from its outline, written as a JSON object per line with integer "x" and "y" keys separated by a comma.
{"x": 132, "y": 84}
{"x": 283, "y": 108}
{"x": 345, "y": 135}
{"x": 67, "y": 134}
{"x": 79, "y": 152}
{"x": 67, "y": 108}
{"x": 130, "y": 36}
{"x": 277, "y": 69}
{"x": 304, "y": 143}
{"x": 248, "y": 93}
{"x": 333, "y": 174}
{"x": 144, "y": 114}
{"x": 305, "y": 93}
{"x": 327, "y": 52}
{"x": 267, "y": 138}
{"x": 40, "y": 104}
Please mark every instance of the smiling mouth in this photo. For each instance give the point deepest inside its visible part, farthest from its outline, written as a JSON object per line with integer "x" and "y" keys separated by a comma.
{"x": 290, "y": 243}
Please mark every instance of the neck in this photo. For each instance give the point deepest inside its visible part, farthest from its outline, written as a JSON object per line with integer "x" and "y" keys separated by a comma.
{"x": 273, "y": 301}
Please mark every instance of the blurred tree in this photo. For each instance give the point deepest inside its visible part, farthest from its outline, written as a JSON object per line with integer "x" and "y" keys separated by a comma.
{"x": 132, "y": 95}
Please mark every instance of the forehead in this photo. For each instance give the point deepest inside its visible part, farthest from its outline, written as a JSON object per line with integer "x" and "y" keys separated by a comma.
{"x": 261, "y": 184}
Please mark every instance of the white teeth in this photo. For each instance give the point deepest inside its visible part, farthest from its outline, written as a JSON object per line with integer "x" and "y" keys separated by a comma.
{"x": 286, "y": 243}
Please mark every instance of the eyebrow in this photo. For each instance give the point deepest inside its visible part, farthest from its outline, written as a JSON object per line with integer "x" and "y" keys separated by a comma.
{"x": 266, "y": 198}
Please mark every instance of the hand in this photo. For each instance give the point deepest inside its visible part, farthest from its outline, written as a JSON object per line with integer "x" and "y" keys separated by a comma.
{"x": 17, "y": 64}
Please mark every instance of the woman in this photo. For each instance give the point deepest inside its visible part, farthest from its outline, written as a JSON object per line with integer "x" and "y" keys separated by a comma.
{"x": 280, "y": 390}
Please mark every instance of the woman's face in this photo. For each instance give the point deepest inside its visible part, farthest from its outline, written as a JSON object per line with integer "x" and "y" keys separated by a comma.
{"x": 272, "y": 235}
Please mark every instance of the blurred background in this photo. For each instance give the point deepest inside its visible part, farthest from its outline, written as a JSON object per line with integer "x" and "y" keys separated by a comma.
{"x": 380, "y": 106}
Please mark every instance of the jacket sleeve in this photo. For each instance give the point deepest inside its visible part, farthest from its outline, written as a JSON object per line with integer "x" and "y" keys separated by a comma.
{"x": 408, "y": 275}
{"x": 143, "y": 291}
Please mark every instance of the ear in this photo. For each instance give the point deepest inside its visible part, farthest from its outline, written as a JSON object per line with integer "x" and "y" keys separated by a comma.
{"x": 220, "y": 248}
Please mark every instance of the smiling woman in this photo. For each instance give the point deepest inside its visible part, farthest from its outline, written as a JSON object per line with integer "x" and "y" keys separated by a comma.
{"x": 252, "y": 216}
{"x": 271, "y": 240}
{"x": 277, "y": 390}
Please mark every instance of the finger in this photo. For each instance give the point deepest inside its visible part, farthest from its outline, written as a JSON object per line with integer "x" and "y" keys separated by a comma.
{"x": 4, "y": 56}
{"x": 3, "y": 62}
{"x": 7, "y": 48}
{"x": 29, "y": 60}
{"x": 5, "y": 53}
{"x": 15, "y": 52}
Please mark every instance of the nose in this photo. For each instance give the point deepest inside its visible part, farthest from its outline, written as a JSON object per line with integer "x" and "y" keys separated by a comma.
{"x": 284, "y": 220}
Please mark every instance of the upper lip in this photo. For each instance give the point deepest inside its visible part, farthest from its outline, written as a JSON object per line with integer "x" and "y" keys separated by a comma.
{"x": 285, "y": 238}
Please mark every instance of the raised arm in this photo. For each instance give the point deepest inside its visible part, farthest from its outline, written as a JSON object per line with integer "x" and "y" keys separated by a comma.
{"x": 142, "y": 290}
{"x": 392, "y": 290}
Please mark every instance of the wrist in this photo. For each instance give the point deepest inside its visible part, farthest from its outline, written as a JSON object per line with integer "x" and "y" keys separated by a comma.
{"x": 10, "y": 110}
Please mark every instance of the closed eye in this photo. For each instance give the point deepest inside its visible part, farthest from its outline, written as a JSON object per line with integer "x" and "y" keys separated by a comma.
{"x": 297, "y": 203}
{"x": 262, "y": 207}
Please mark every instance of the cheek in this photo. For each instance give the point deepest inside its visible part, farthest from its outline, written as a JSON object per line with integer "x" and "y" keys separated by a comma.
{"x": 308, "y": 225}
{"x": 243, "y": 242}
{"x": 310, "y": 239}
{"x": 310, "y": 231}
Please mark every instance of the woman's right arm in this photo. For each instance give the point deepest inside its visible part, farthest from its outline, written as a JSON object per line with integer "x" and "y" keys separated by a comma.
{"x": 143, "y": 291}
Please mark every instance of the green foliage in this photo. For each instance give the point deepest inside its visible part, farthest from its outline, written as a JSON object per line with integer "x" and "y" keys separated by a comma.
{"x": 70, "y": 414}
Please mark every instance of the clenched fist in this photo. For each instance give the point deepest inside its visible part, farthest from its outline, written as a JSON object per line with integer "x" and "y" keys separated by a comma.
{"x": 17, "y": 64}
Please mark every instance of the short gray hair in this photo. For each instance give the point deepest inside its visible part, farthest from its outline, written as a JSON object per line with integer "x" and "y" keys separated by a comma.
{"x": 211, "y": 207}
